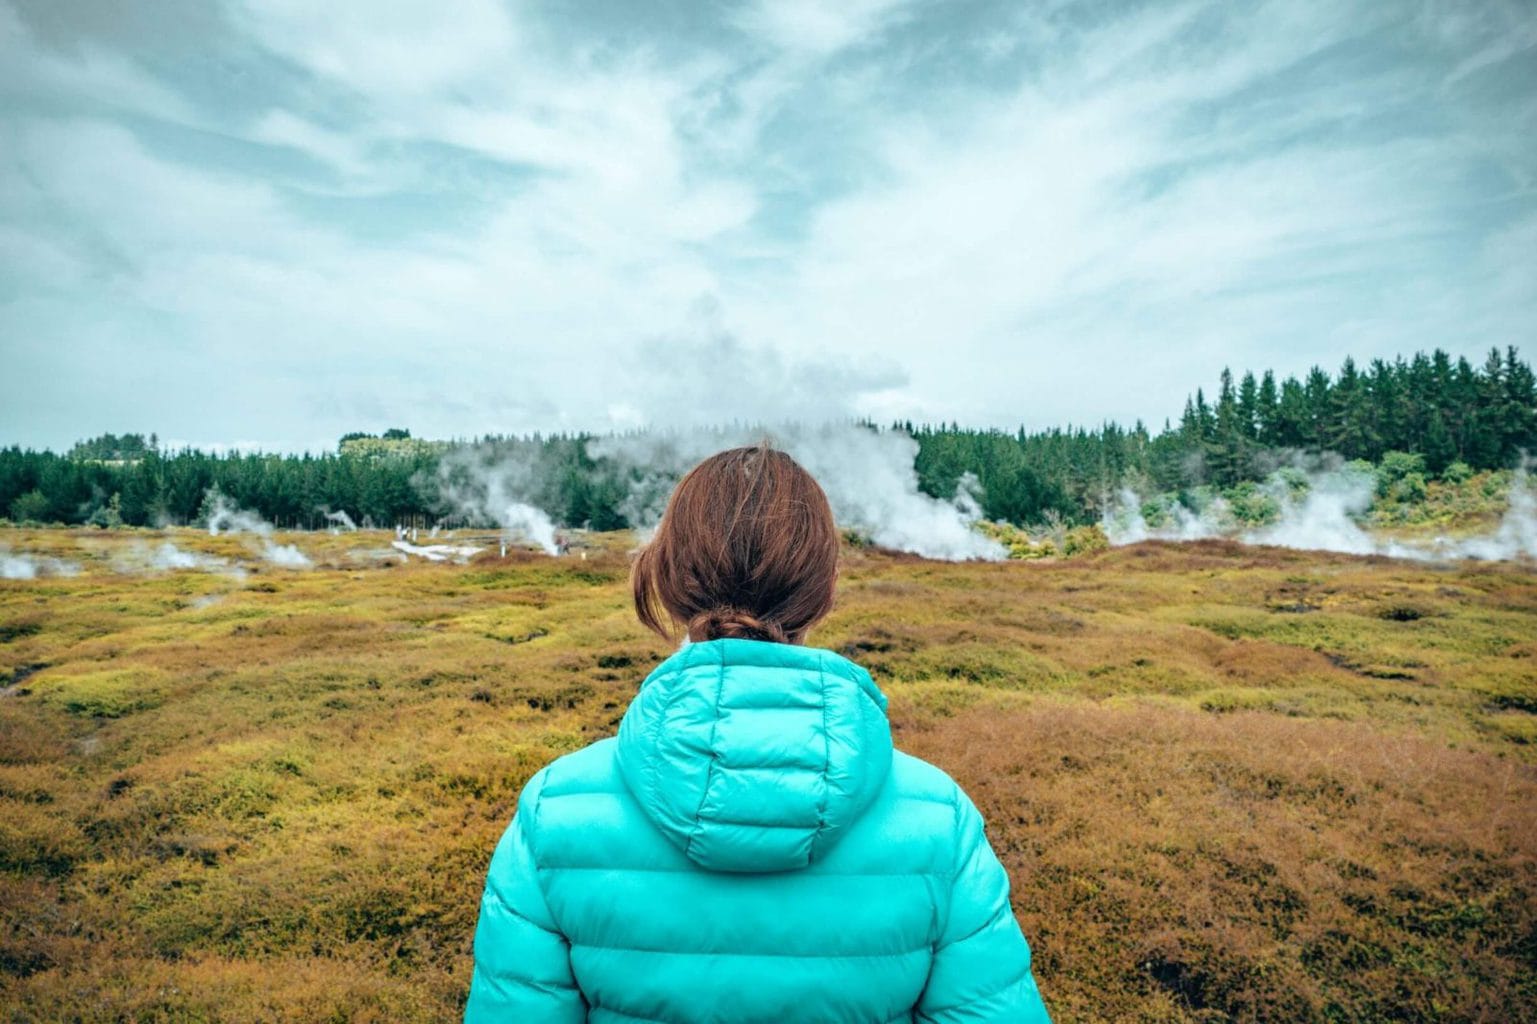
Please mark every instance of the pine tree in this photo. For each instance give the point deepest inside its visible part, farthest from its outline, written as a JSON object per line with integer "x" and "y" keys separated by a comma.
{"x": 1520, "y": 416}
{"x": 1384, "y": 408}
{"x": 1315, "y": 394}
{"x": 1267, "y": 419}
{"x": 1292, "y": 419}
{"x": 1439, "y": 448}
{"x": 1248, "y": 407}
{"x": 1227, "y": 451}
{"x": 1348, "y": 430}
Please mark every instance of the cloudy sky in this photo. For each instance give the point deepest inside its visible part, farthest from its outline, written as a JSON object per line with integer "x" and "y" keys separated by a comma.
{"x": 272, "y": 221}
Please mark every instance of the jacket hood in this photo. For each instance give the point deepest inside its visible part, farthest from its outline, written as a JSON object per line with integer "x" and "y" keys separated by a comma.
{"x": 755, "y": 756}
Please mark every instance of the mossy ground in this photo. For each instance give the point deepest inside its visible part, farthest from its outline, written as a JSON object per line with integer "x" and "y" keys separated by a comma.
{"x": 1229, "y": 783}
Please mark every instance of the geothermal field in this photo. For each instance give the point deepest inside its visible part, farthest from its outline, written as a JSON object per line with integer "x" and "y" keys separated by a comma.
{"x": 1161, "y": 364}
{"x": 254, "y": 775}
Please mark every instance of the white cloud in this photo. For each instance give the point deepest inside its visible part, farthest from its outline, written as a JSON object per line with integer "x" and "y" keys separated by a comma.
{"x": 814, "y": 27}
{"x": 700, "y": 374}
{"x": 1069, "y": 224}
{"x": 112, "y": 81}
{"x": 401, "y": 52}
{"x": 1191, "y": 183}
{"x": 341, "y": 151}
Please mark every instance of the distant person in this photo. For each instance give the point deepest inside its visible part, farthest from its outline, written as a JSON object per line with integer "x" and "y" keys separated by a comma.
{"x": 749, "y": 848}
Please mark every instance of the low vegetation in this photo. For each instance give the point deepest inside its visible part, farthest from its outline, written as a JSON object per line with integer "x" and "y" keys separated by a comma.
{"x": 1229, "y": 783}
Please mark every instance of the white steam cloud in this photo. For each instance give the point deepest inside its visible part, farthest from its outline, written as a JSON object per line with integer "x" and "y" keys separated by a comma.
{"x": 166, "y": 556}
{"x": 1319, "y": 511}
{"x": 684, "y": 386}
{"x": 1517, "y": 533}
{"x": 484, "y": 486}
{"x": 223, "y": 515}
{"x": 24, "y": 566}
{"x": 342, "y": 520}
{"x": 868, "y": 476}
{"x": 438, "y": 552}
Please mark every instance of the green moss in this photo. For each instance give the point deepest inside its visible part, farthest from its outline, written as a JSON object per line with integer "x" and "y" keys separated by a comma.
{"x": 1175, "y": 748}
{"x": 1515, "y": 727}
{"x": 1309, "y": 702}
{"x": 112, "y": 693}
{"x": 984, "y": 665}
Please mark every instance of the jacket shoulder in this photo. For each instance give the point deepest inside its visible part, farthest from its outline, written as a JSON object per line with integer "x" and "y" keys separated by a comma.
{"x": 579, "y": 814}
{"x": 591, "y": 770}
{"x": 910, "y": 829}
{"x": 916, "y": 779}
{"x": 594, "y": 768}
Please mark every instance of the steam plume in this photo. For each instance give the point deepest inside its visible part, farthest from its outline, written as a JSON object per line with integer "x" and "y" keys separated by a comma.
{"x": 437, "y": 552}
{"x": 867, "y": 473}
{"x": 23, "y": 566}
{"x": 168, "y": 557}
{"x": 1319, "y": 511}
{"x": 485, "y": 486}
{"x": 223, "y": 515}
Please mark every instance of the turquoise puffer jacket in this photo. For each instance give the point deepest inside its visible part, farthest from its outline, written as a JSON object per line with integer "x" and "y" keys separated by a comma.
{"x": 749, "y": 848}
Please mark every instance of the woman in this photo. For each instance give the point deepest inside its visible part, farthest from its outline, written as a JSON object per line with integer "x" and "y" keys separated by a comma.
{"x": 749, "y": 847}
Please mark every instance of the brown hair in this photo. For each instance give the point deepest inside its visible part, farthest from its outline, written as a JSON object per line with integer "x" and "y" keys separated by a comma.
{"x": 747, "y": 549}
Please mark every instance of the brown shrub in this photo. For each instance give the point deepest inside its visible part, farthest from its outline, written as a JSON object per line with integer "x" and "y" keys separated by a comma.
{"x": 297, "y": 825}
{"x": 1170, "y": 865}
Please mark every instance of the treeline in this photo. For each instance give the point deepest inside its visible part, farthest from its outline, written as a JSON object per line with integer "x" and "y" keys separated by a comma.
{"x": 378, "y": 480}
{"x": 1451, "y": 413}
{"x": 165, "y": 488}
{"x": 1447, "y": 411}
{"x": 112, "y": 448}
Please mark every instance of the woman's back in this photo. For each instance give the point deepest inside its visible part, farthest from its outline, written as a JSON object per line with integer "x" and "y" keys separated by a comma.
{"x": 749, "y": 848}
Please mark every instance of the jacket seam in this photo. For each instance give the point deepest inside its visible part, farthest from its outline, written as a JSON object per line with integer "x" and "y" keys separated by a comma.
{"x": 770, "y": 956}
{"x": 709, "y": 775}
{"x": 827, "y": 764}
{"x": 701, "y": 819}
{"x": 501, "y": 901}
{"x": 1013, "y": 981}
{"x": 905, "y": 1015}
{"x": 653, "y": 761}
{"x": 955, "y": 868}
{"x": 787, "y": 706}
{"x": 619, "y": 790}
{"x": 694, "y": 871}
{"x": 533, "y": 849}
{"x": 985, "y": 925}
{"x": 955, "y": 826}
